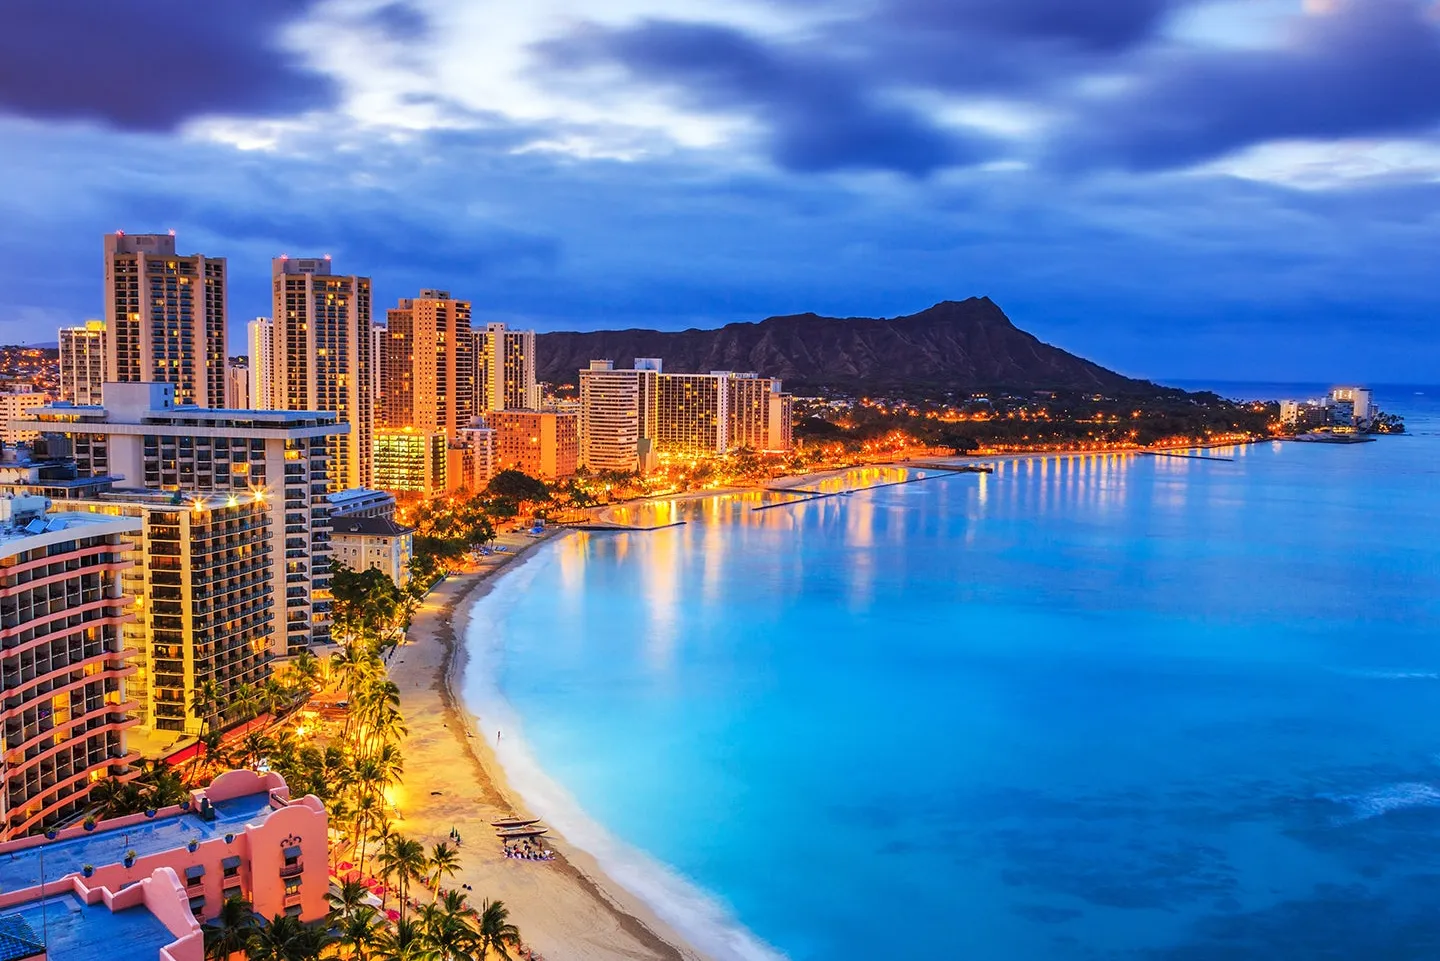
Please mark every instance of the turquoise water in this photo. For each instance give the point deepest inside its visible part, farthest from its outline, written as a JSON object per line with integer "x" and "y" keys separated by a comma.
{"x": 1082, "y": 708}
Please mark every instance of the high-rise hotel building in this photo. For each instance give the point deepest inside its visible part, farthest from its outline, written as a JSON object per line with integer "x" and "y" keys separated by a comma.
{"x": 260, "y": 335}
{"x": 165, "y": 317}
{"x": 63, "y": 666}
{"x": 280, "y": 456}
{"x": 204, "y": 608}
{"x": 692, "y": 413}
{"x": 505, "y": 369}
{"x": 322, "y": 357}
{"x": 82, "y": 362}
{"x": 429, "y": 365}
{"x": 617, "y": 416}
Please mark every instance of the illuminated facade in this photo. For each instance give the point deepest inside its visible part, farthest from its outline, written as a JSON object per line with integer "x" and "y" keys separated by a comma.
{"x": 472, "y": 458}
{"x": 543, "y": 444}
{"x": 692, "y": 413}
{"x": 322, "y": 357}
{"x": 205, "y": 599}
{"x": 82, "y": 362}
{"x": 141, "y": 436}
{"x": 260, "y": 334}
{"x": 505, "y": 369}
{"x": 375, "y": 543}
{"x": 409, "y": 460}
{"x": 237, "y": 383}
{"x": 429, "y": 365}
{"x": 165, "y": 317}
{"x": 17, "y": 405}
{"x": 759, "y": 414}
{"x": 63, "y": 666}
{"x": 617, "y": 417}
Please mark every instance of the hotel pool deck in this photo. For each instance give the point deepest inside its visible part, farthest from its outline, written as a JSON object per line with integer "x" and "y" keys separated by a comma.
{"x": 75, "y": 931}
{"x": 21, "y": 869}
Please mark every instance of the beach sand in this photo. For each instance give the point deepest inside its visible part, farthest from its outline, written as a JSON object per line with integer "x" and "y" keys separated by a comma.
{"x": 566, "y": 909}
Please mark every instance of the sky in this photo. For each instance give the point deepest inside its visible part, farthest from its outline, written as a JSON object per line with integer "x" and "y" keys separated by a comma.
{"x": 1243, "y": 189}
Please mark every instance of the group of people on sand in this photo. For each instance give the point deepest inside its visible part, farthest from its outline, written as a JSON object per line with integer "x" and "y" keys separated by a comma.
{"x": 528, "y": 850}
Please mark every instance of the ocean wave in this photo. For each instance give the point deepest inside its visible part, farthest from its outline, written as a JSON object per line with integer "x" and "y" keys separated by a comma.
{"x": 1398, "y": 675}
{"x": 1381, "y": 801}
{"x": 698, "y": 916}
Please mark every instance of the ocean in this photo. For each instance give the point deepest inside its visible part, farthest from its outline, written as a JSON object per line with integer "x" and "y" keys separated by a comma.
{"x": 1086, "y": 707}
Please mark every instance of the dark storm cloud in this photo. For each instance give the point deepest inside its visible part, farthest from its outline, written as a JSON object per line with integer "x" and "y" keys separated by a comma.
{"x": 1370, "y": 68}
{"x": 819, "y": 113}
{"x": 154, "y": 64}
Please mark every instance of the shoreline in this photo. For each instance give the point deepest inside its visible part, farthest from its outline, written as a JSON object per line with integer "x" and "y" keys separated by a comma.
{"x": 567, "y": 909}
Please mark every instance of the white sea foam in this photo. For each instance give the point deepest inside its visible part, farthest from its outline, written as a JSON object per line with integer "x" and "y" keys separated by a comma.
{"x": 1396, "y": 675}
{"x": 694, "y": 913}
{"x": 1391, "y": 797}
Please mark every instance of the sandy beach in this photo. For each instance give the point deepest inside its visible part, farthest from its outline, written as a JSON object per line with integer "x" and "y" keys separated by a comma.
{"x": 566, "y": 909}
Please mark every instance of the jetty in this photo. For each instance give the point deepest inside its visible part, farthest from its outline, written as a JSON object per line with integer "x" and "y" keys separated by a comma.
{"x": 805, "y": 495}
{"x": 1175, "y": 453}
{"x": 613, "y": 526}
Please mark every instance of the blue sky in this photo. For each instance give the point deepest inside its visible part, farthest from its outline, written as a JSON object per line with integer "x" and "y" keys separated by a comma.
{"x": 1237, "y": 189}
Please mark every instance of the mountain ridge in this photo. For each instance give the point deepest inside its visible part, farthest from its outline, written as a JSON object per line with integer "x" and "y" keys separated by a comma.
{"x": 954, "y": 345}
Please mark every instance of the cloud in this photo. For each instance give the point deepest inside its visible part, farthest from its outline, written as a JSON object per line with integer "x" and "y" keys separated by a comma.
{"x": 400, "y": 21}
{"x": 817, "y": 113}
{"x": 153, "y": 65}
{"x": 1358, "y": 68}
{"x": 1102, "y": 25}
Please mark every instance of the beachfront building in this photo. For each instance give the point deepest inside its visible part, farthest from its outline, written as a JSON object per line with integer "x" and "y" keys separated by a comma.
{"x": 617, "y": 417}
{"x": 410, "y": 461}
{"x": 429, "y": 377}
{"x": 472, "y": 457}
{"x": 165, "y": 317}
{"x": 361, "y": 502}
{"x": 260, "y": 334}
{"x": 63, "y": 667}
{"x": 1352, "y": 406}
{"x": 505, "y": 369}
{"x": 281, "y": 456}
{"x": 375, "y": 543}
{"x": 322, "y": 357}
{"x": 543, "y": 444}
{"x": 17, "y": 405}
{"x": 204, "y": 602}
{"x": 152, "y": 881}
{"x": 237, "y": 384}
{"x": 82, "y": 362}
{"x": 759, "y": 414}
{"x": 692, "y": 413}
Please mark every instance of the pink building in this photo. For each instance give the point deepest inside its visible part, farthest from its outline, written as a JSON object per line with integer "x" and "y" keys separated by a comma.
{"x": 241, "y": 836}
{"x": 63, "y": 710}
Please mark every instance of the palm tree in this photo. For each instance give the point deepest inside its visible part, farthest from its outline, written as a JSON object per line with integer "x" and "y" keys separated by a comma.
{"x": 496, "y": 932}
{"x": 348, "y": 898}
{"x": 245, "y": 701}
{"x": 357, "y": 930}
{"x": 276, "y": 940}
{"x": 405, "y": 943}
{"x": 403, "y": 860}
{"x": 163, "y": 787}
{"x": 450, "y": 930}
{"x": 306, "y": 671}
{"x": 116, "y": 798}
{"x": 444, "y": 862}
{"x": 254, "y": 746}
{"x": 205, "y": 704}
{"x": 230, "y": 931}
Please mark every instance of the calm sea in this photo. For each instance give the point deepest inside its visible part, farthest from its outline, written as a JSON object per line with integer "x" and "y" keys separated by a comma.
{"x": 1081, "y": 708}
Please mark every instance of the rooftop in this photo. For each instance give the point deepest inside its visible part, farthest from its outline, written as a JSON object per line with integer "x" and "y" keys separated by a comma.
{"x": 71, "y": 930}
{"x": 41, "y": 530}
{"x": 21, "y": 869}
{"x": 368, "y": 526}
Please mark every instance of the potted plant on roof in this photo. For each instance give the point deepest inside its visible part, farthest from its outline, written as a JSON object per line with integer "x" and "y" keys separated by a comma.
{"x": 88, "y": 870}
{"x": 130, "y": 858}
{"x": 50, "y": 834}
{"x": 149, "y": 812}
{"x": 194, "y": 843}
{"x": 229, "y": 838}
{"x": 90, "y": 823}
{"x": 185, "y": 804}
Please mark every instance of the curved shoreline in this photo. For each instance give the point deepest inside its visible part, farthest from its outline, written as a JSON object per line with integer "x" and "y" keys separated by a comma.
{"x": 567, "y": 908}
